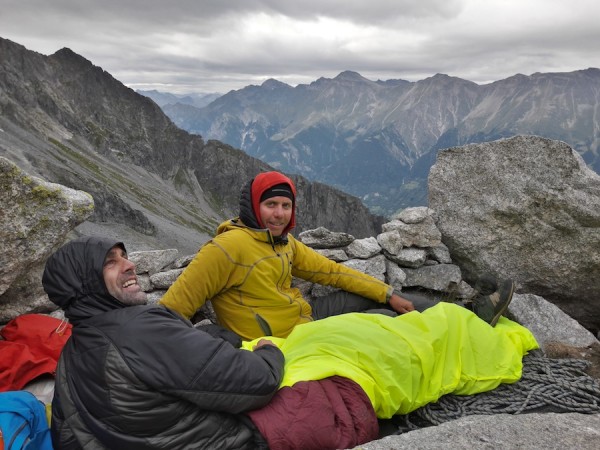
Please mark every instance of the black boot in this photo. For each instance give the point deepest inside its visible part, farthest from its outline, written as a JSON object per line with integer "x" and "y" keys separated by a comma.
{"x": 491, "y": 306}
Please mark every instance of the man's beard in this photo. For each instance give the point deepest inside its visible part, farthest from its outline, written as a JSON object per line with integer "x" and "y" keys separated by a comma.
{"x": 134, "y": 298}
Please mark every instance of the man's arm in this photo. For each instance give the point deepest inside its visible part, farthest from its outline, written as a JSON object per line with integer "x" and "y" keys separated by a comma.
{"x": 205, "y": 276}
{"x": 312, "y": 266}
{"x": 185, "y": 362}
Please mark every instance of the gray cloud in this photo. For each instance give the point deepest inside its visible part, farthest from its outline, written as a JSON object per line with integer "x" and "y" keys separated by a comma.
{"x": 190, "y": 45}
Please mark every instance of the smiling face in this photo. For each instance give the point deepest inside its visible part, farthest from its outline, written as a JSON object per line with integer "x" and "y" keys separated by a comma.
{"x": 120, "y": 278}
{"x": 276, "y": 213}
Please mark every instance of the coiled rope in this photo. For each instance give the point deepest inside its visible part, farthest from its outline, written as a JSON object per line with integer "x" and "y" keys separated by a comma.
{"x": 547, "y": 385}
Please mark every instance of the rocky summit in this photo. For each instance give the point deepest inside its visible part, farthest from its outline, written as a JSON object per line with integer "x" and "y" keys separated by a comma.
{"x": 425, "y": 252}
{"x": 70, "y": 122}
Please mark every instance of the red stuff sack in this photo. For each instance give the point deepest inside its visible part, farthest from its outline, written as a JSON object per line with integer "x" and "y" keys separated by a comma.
{"x": 31, "y": 348}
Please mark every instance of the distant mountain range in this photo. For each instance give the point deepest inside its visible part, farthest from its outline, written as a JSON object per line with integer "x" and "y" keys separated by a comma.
{"x": 378, "y": 139}
{"x": 166, "y": 98}
{"x": 154, "y": 185}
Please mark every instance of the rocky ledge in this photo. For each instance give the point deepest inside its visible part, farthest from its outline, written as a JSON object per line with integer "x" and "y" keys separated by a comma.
{"x": 526, "y": 198}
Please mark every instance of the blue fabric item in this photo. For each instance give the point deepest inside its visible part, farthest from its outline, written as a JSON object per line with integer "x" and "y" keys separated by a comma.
{"x": 23, "y": 422}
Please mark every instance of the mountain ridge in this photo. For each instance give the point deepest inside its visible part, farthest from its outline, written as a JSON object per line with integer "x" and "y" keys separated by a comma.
{"x": 386, "y": 133}
{"x": 70, "y": 122}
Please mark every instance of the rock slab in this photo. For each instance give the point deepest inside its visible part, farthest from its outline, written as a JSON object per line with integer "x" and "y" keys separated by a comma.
{"x": 35, "y": 217}
{"x": 525, "y": 208}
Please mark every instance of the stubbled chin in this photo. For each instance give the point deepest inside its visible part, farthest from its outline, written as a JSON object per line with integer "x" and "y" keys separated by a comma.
{"x": 132, "y": 289}
{"x": 135, "y": 298}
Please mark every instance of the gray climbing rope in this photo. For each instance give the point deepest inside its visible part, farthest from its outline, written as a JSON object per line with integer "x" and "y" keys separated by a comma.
{"x": 550, "y": 385}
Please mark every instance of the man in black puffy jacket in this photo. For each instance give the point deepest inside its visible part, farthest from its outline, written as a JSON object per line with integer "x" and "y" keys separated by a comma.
{"x": 136, "y": 376}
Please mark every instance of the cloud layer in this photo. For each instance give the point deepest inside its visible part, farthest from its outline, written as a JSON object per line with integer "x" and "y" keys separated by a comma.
{"x": 218, "y": 45}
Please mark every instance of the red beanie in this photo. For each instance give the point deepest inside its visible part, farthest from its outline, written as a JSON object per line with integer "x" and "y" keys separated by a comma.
{"x": 267, "y": 181}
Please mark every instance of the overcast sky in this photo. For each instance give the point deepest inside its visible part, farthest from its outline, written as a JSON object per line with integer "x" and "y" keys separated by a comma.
{"x": 186, "y": 46}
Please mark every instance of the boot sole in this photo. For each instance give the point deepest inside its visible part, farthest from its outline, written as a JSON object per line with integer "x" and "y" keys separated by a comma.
{"x": 502, "y": 310}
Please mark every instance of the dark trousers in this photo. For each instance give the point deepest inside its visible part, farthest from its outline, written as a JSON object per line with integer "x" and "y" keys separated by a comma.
{"x": 342, "y": 302}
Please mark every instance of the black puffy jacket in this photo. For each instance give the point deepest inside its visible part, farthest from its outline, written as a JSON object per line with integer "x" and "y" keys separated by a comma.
{"x": 141, "y": 377}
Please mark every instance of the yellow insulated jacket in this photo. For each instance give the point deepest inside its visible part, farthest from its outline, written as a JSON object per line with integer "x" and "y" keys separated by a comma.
{"x": 248, "y": 278}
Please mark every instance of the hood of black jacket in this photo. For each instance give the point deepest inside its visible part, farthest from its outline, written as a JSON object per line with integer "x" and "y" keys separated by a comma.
{"x": 74, "y": 281}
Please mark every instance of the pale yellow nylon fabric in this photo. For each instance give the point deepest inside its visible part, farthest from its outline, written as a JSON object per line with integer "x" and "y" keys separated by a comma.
{"x": 405, "y": 362}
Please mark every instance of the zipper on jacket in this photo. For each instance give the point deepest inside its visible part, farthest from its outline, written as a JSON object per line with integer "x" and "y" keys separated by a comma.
{"x": 264, "y": 325}
{"x": 16, "y": 435}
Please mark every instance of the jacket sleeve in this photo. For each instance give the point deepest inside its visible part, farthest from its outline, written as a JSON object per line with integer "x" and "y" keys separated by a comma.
{"x": 208, "y": 273}
{"x": 312, "y": 266}
{"x": 177, "y": 359}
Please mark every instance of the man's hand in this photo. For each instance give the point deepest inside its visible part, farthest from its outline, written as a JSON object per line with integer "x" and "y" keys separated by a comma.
{"x": 262, "y": 343}
{"x": 400, "y": 304}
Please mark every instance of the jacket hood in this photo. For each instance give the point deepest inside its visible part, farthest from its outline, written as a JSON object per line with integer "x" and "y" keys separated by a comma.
{"x": 74, "y": 281}
{"x": 252, "y": 192}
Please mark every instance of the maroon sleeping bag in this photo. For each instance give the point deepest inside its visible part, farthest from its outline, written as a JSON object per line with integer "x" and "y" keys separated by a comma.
{"x": 326, "y": 414}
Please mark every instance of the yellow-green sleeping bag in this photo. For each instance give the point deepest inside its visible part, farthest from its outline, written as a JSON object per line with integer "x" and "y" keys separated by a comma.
{"x": 405, "y": 362}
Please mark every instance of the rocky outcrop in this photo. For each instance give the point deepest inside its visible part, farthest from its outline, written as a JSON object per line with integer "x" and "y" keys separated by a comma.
{"x": 525, "y": 208}
{"x": 35, "y": 217}
{"x": 524, "y": 432}
{"x": 409, "y": 254}
{"x": 70, "y": 122}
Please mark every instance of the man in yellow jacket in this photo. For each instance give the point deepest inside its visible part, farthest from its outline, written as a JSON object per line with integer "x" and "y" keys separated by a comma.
{"x": 247, "y": 269}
